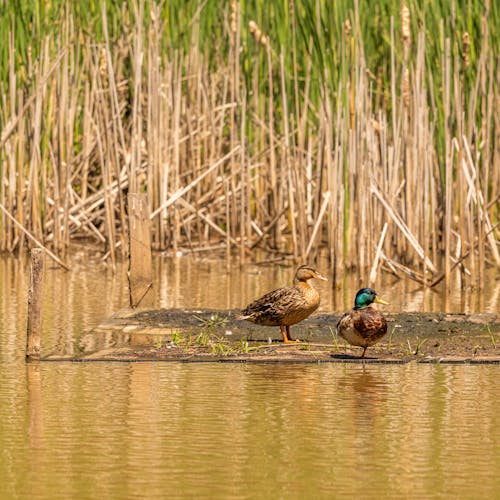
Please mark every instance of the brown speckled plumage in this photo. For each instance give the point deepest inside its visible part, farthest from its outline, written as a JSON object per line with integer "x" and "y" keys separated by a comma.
{"x": 286, "y": 306}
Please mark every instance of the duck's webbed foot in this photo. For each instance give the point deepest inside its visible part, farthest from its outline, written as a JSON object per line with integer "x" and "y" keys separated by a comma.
{"x": 285, "y": 331}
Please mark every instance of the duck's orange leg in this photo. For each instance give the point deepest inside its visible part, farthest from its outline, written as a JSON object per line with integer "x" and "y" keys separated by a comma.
{"x": 285, "y": 331}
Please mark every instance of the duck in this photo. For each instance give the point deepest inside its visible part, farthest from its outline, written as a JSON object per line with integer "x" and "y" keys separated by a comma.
{"x": 286, "y": 306}
{"x": 363, "y": 325}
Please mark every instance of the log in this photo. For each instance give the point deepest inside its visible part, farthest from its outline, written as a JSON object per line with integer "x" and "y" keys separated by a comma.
{"x": 34, "y": 329}
{"x": 140, "y": 275}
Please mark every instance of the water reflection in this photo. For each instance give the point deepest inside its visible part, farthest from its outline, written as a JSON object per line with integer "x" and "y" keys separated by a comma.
{"x": 161, "y": 430}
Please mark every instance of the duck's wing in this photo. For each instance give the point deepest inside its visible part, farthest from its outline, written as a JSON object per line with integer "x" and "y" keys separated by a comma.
{"x": 273, "y": 306}
{"x": 370, "y": 323}
{"x": 345, "y": 321}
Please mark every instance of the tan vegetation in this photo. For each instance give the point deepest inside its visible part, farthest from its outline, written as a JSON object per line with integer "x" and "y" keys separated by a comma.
{"x": 245, "y": 147}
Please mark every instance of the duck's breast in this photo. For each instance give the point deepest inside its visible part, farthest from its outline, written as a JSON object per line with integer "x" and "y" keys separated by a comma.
{"x": 305, "y": 301}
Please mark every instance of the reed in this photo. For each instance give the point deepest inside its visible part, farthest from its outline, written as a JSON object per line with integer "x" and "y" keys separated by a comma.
{"x": 291, "y": 129}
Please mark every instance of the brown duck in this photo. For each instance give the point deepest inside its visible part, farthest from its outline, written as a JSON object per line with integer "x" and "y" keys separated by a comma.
{"x": 363, "y": 326}
{"x": 286, "y": 306}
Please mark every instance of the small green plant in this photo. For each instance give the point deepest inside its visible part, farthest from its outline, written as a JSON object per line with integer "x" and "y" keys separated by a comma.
{"x": 176, "y": 338}
{"x": 492, "y": 336}
{"x": 245, "y": 347}
{"x": 215, "y": 320}
{"x": 158, "y": 342}
{"x": 407, "y": 349}
{"x": 419, "y": 346}
{"x": 222, "y": 349}
{"x": 390, "y": 338}
{"x": 206, "y": 337}
{"x": 335, "y": 337}
{"x": 203, "y": 338}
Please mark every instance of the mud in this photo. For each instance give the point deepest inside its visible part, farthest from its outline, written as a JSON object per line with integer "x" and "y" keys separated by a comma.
{"x": 207, "y": 335}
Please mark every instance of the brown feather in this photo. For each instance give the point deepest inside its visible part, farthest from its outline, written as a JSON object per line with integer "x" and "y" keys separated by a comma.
{"x": 370, "y": 323}
{"x": 362, "y": 327}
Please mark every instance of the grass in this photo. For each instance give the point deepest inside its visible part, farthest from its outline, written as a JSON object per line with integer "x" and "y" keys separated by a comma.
{"x": 389, "y": 344}
{"x": 216, "y": 320}
{"x": 308, "y": 132}
{"x": 418, "y": 349}
{"x": 492, "y": 336}
{"x": 335, "y": 339}
{"x": 208, "y": 339}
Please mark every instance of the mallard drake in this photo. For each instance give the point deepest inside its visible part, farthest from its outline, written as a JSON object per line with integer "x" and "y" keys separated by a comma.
{"x": 363, "y": 326}
{"x": 286, "y": 306}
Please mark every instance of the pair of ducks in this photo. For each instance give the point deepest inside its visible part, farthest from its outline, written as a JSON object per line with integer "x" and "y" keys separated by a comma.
{"x": 362, "y": 326}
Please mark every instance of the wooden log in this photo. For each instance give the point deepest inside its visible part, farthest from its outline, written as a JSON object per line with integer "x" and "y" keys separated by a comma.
{"x": 140, "y": 275}
{"x": 34, "y": 329}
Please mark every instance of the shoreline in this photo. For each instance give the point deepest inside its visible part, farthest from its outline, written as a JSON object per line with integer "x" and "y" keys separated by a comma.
{"x": 216, "y": 336}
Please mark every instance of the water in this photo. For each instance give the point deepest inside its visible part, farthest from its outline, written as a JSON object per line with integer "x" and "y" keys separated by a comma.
{"x": 139, "y": 430}
{"x": 174, "y": 430}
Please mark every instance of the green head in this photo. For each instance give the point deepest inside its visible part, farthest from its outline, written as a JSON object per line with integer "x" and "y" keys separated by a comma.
{"x": 365, "y": 297}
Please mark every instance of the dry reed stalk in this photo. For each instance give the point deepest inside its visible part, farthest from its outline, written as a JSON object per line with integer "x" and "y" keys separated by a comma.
{"x": 153, "y": 120}
{"x": 397, "y": 266}
{"x": 228, "y": 224}
{"x": 54, "y": 257}
{"x": 334, "y": 152}
{"x": 300, "y": 131}
{"x": 275, "y": 192}
{"x": 181, "y": 192}
{"x": 234, "y": 84}
{"x": 33, "y": 191}
{"x": 495, "y": 160}
{"x": 245, "y": 185}
{"x": 294, "y": 180}
{"x": 8, "y": 189}
{"x": 488, "y": 132}
{"x": 18, "y": 240}
{"x": 415, "y": 126}
{"x": 403, "y": 228}
{"x": 76, "y": 224}
{"x": 108, "y": 158}
{"x": 262, "y": 233}
{"x": 448, "y": 186}
{"x": 459, "y": 181}
{"x": 176, "y": 160}
{"x": 324, "y": 206}
{"x": 114, "y": 129}
{"x": 306, "y": 105}
{"x": 477, "y": 196}
{"x": 373, "y": 271}
{"x": 137, "y": 125}
{"x": 351, "y": 252}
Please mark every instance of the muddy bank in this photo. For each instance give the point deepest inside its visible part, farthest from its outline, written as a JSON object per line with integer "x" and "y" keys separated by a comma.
{"x": 208, "y": 335}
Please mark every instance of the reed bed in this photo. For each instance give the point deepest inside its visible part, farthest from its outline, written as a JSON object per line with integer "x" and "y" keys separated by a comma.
{"x": 372, "y": 134}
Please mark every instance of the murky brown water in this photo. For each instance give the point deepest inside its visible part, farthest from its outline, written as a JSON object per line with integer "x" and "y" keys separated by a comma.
{"x": 158, "y": 430}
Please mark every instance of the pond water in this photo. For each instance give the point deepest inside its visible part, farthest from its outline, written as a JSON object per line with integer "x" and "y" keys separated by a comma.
{"x": 211, "y": 430}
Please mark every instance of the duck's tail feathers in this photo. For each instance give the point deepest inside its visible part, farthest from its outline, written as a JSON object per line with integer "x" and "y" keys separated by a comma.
{"x": 243, "y": 316}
